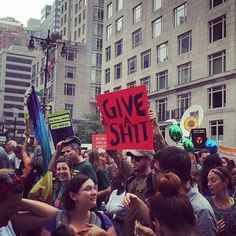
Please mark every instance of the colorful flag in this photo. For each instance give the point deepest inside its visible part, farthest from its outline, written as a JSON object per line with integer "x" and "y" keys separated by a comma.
{"x": 39, "y": 125}
{"x": 41, "y": 134}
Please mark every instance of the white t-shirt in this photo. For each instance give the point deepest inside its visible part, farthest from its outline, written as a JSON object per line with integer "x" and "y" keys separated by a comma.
{"x": 116, "y": 203}
{"x": 7, "y": 230}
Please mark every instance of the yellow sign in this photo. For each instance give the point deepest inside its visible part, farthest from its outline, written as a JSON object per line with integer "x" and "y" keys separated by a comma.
{"x": 191, "y": 123}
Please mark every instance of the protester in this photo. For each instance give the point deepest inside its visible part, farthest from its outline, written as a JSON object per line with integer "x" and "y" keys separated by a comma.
{"x": 20, "y": 215}
{"x": 219, "y": 183}
{"x": 233, "y": 177}
{"x": 227, "y": 163}
{"x": 79, "y": 198}
{"x": 104, "y": 186}
{"x": 210, "y": 162}
{"x": 63, "y": 174}
{"x": 176, "y": 160}
{"x": 202, "y": 155}
{"x": 138, "y": 176}
{"x": 14, "y": 162}
{"x": 115, "y": 208}
{"x": 4, "y": 161}
{"x": 30, "y": 173}
{"x": 71, "y": 147}
{"x": 170, "y": 201}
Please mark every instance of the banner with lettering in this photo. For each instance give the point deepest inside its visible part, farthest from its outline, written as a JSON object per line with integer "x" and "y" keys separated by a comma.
{"x": 127, "y": 124}
{"x": 60, "y": 126}
{"x": 99, "y": 141}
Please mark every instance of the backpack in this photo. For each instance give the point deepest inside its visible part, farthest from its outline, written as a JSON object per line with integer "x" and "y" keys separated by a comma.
{"x": 96, "y": 219}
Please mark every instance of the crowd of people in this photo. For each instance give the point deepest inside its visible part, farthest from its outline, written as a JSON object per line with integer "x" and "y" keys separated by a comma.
{"x": 119, "y": 192}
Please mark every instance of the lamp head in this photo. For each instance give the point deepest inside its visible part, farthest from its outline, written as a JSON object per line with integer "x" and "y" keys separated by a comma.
{"x": 31, "y": 46}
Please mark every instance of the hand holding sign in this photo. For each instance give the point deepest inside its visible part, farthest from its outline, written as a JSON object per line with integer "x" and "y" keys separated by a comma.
{"x": 126, "y": 118}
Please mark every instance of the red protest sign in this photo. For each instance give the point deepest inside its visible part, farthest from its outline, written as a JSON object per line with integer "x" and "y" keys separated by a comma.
{"x": 99, "y": 141}
{"x": 125, "y": 113}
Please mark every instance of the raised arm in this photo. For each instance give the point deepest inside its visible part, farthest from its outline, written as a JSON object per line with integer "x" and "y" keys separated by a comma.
{"x": 158, "y": 140}
{"x": 32, "y": 214}
{"x": 56, "y": 155}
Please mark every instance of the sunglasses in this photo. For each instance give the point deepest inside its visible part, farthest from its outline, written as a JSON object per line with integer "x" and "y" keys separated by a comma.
{"x": 137, "y": 159}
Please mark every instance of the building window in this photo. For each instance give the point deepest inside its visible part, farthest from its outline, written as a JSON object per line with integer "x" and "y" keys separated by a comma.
{"x": 71, "y": 55}
{"x": 180, "y": 14}
{"x": 109, "y": 10}
{"x": 119, "y": 25}
{"x": 96, "y": 76}
{"x": 157, "y": 4}
{"x": 79, "y": 20}
{"x": 97, "y": 90}
{"x": 119, "y": 5}
{"x": 162, "y": 52}
{"x": 84, "y": 14}
{"x": 70, "y": 108}
{"x": 96, "y": 59}
{"x": 161, "y": 109}
{"x": 146, "y": 81}
{"x": 131, "y": 84}
{"x": 118, "y": 48}
{"x": 146, "y": 59}
{"x": 69, "y": 89}
{"x": 214, "y": 3}
{"x": 137, "y": 14}
{"x": 75, "y": 23}
{"x": 97, "y": 29}
{"x": 108, "y": 53}
{"x": 108, "y": 32}
{"x": 217, "y": 130}
{"x": 184, "y": 102}
{"x": 217, "y": 97}
{"x": 217, "y": 62}
{"x": 185, "y": 42}
{"x": 117, "y": 88}
{"x": 217, "y": 28}
{"x": 97, "y": 44}
{"x": 118, "y": 71}
{"x": 157, "y": 27}
{"x": 70, "y": 72}
{"x": 162, "y": 80}
{"x": 107, "y": 75}
{"x": 83, "y": 29}
{"x": 132, "y": 65}
{"x": 97, "y": 14}
{"x": 136, "y": 38}
{"x": 184, "y": 73}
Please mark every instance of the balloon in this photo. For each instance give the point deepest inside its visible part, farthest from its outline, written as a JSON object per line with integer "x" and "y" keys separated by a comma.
{"x": 188, "y": 145}
{"x": 175, "y": 133}
{"x": 211, "y": 145}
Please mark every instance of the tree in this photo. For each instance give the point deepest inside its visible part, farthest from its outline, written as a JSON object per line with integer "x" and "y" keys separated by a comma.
{"x": 85, "y": 129}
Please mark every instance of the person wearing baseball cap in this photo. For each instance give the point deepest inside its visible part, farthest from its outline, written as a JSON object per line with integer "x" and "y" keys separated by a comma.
{"x": 138, "y": 175}
{"x": 71, "y": 149}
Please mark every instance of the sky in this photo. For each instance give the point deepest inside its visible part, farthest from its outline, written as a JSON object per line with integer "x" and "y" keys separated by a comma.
{"x": 22, "y": 10}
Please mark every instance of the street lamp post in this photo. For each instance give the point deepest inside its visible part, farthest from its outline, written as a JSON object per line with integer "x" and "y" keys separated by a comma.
{"x": 46, "y": 44}
{"x": 15, "y": 115}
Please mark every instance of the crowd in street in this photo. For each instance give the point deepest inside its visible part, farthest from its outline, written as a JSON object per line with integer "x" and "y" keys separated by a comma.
{"x": 117, "y": 192}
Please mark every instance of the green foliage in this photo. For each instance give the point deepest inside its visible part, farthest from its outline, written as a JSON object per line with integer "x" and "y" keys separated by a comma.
{"x": 85, "y": 129}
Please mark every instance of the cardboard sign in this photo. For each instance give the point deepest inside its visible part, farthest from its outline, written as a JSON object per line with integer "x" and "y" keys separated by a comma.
{"x": 125, "y": 113}
{"x": 60, "y": 126}
{"x": 199, "y": 138}
{"x": 99, "y": 141}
